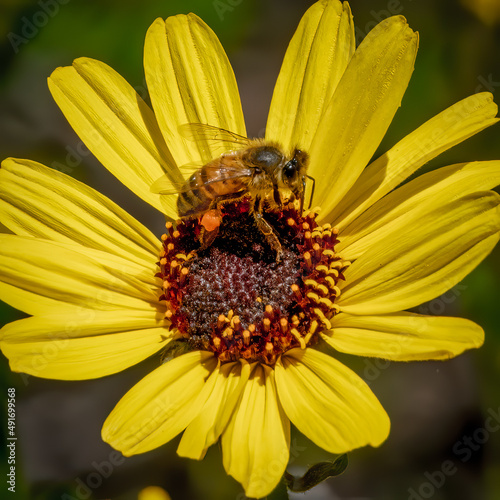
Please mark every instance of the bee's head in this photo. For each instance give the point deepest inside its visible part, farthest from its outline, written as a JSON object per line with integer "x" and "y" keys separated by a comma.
{"x": 295, "y": 168}
{"x": 293, "y": 174}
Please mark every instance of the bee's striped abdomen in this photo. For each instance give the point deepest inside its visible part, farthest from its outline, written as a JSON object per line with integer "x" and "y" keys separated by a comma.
{"x": 215, "y": 180}
{"x": 193, "y": 200}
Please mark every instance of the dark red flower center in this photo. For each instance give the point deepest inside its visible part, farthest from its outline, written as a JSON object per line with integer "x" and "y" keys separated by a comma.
{"x": 235, "y": 299}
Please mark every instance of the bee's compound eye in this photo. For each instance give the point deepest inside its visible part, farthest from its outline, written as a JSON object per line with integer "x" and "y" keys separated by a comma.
{"x": 290, "y": 169}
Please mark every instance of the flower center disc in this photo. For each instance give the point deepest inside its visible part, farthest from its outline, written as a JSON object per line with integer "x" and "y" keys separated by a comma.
{"x": 235, "y": 300}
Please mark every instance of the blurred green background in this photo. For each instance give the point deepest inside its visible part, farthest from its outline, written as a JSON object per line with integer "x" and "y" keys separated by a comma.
{"x": 438, "y": 410}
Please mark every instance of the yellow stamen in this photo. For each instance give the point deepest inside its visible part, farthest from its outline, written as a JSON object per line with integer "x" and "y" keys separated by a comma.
{"x": 299, "y": 338}
{"x": 236, "y": 323}
{"x": 246, "y": 337}
{"x": 284, "y": 325}
{"x": 221, "y": 321}
{"x": 322, "y": 269}
{"x": 268, "y": 311}
{"x": 228, "y": 332}
{"x": 323, "y": 318}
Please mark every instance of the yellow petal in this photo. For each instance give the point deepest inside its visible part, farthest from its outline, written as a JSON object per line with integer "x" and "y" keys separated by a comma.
{"x": 329, "y": 403}
{"x": 190, "y": 80}
{"x": 314, "y": 63}
{"x": 39, "y": 201}
{"x": 82, "y": 344}
{"x": 415, "y": 202}
{"x": 161, "y": 405}
{"x": 256, "y": 443}
{"x": 362, "y": 108}
{"x": 207, "y": 427}
{"x": 452, "y": 126}
{"x": 49, "y": 276}
{"x": 404, "y": 336}
{"x": 31, "y": 302}
{"x": 115, "y": 124}
{"x": 420, "y": 260}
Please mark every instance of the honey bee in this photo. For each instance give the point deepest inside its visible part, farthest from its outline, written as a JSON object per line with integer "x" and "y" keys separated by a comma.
{"x": 257, "y": 169}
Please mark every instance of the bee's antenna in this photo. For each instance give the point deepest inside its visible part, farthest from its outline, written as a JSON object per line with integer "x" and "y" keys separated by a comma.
{"x": 312, "y": 189}
{"x": 302, "y": 196}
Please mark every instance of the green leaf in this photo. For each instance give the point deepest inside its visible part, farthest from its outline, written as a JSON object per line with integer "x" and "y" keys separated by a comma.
{"x": 316, "y": 474}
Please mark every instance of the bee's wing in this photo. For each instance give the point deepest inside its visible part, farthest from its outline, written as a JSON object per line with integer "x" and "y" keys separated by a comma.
{"x": 164, "y": 185}
{"x": 216, "y": 173}
{"x": 200, "y": 132}
{"x": 227, "y": 171}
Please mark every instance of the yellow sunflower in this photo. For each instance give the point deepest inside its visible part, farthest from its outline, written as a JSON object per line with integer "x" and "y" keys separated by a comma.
{"x": 247, "y": 340}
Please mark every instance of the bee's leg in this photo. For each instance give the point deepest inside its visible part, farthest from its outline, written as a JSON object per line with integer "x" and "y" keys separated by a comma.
{"x": 269, "y": 234}
{"x": 277, "y": 197}
{"x": 207, "y": 238}
{"x": 266, "y": 229}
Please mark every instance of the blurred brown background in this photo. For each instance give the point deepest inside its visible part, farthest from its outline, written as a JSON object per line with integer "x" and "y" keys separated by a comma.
{"x": 440, "y": 412}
